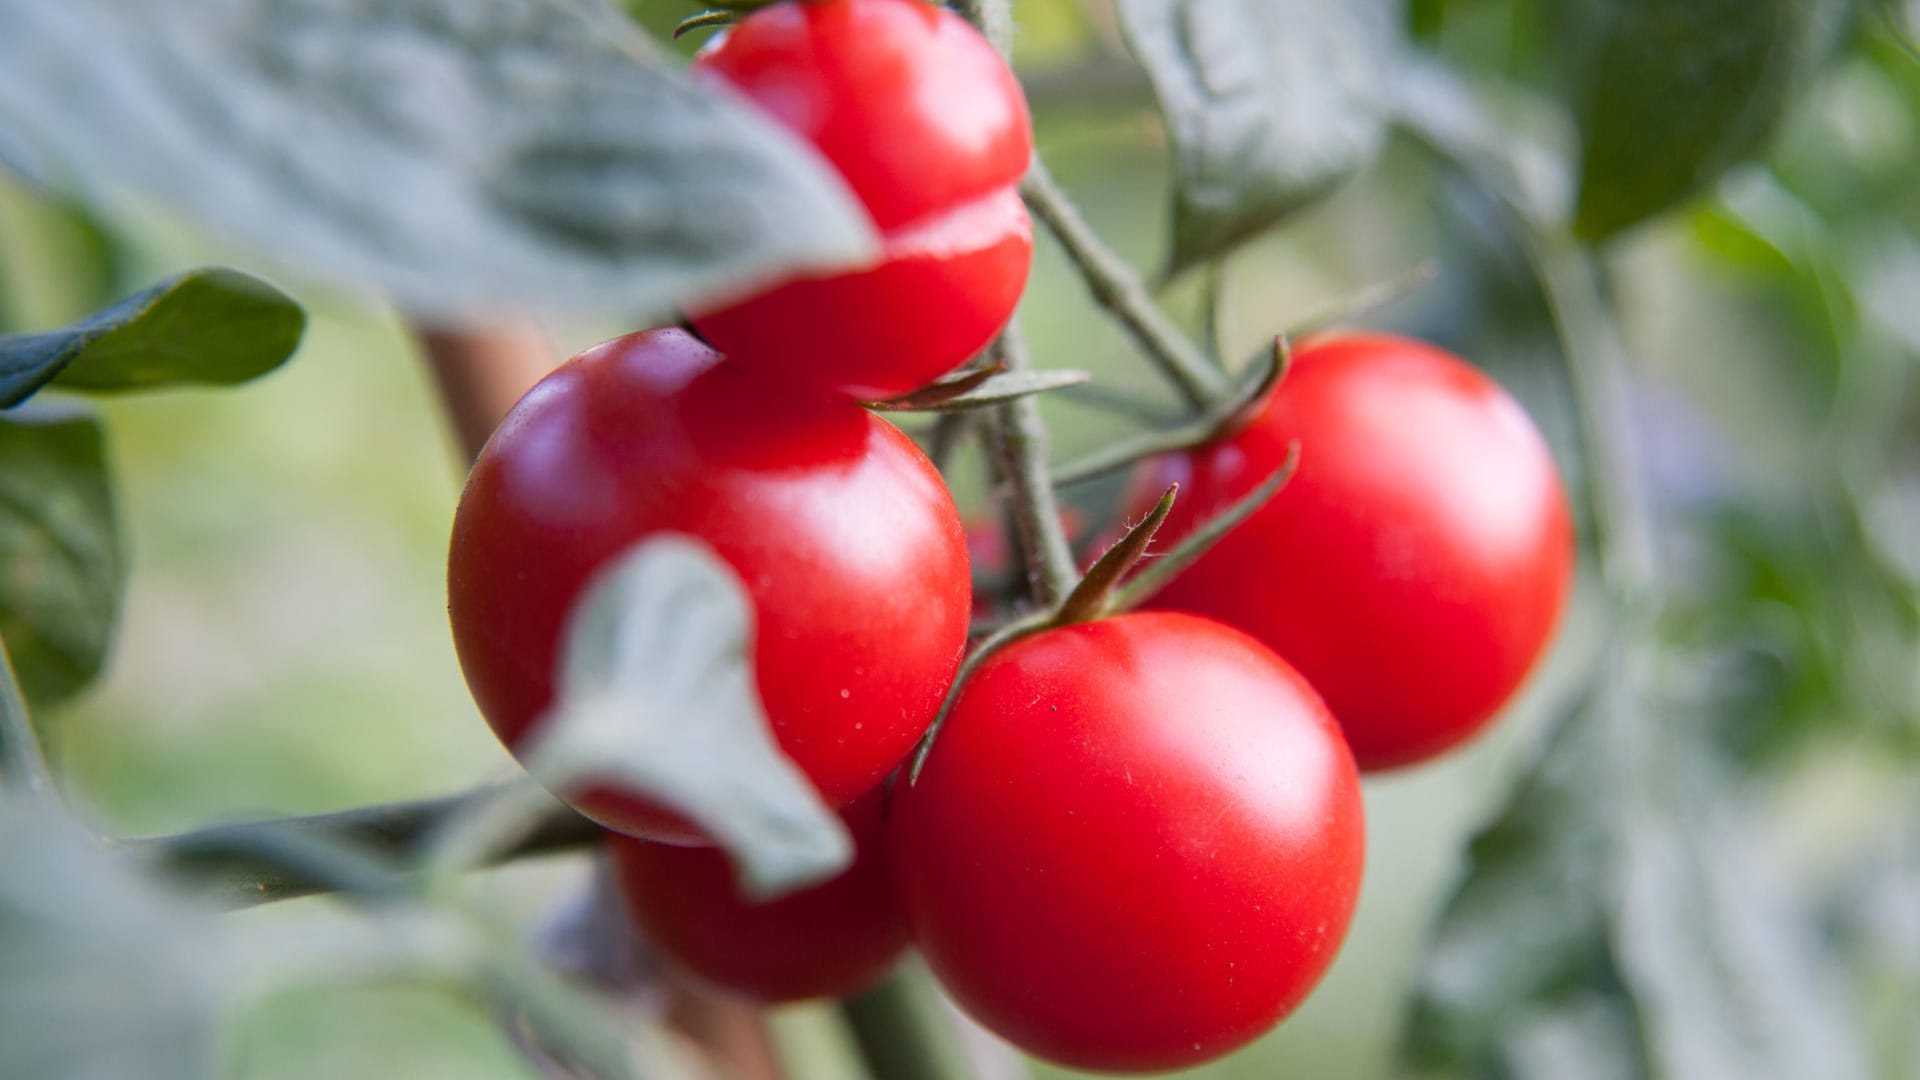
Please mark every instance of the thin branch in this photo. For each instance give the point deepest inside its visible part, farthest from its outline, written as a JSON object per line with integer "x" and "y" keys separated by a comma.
{"x": 481, "y": 372}
{"x": 1017, "y": 439}
{"x": 1117, "y": 288}
{"x": 247, "y": 862}
{"x": 1596, "y": 368}
{"x": 1266, "y": 372}
{"x": 903, "y": 1032}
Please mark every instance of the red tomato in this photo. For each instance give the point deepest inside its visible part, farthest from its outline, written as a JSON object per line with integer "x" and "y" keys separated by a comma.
{"x": 929, "y": 128}
{"x": 1136, "y": 843}
{"x": 831, "y": 940}
{"x": 840, "y": 528}
{"x": 1414, "y": 568}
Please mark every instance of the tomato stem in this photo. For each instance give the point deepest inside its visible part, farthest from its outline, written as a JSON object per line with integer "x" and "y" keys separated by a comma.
{"x": 244, "y": 862}
{"x": 903, "y": 1030}
{"x": 1596, "y": 369}
{"x": 1204, "y": 428}
{"x": 1017, "y": 439}
{"x": 1118, "y": 289}
{"x": 715, "y": 17}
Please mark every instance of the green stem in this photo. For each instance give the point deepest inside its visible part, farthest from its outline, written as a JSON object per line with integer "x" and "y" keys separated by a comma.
{"x": 22, "y": 763}
{"x": 1596, "y": 369}
{"x": 244, "y": 862}
{"x": 1120, "y": 291}
{"x": 1017, "y": 439}
{"x": 1264, "y": 373}
{"x": 903, "y": 1032}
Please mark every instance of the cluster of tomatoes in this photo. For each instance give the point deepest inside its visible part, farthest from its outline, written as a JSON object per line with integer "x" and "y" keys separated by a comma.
{"x": 1136, "y": 842}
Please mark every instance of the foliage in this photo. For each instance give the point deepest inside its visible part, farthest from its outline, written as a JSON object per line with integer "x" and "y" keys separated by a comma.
{"x": 1629, "y": 909}
{"x": 59, "y": 547}
{"x": 450, "y": 154}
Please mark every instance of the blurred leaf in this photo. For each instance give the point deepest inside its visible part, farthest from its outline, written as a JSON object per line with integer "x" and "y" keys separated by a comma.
{"x": 62, "y": 570}
{"x": 1670, "y": 96}
{"x": 102, "y": 977}
{"x": 1269, "y": 103}
{"x": 215, "y": 326}
{"x": 456, "y": 153}
{"x": 1876, "y": 921}
{"x": 1523, "y": 941}
{"x": 23, "y": 761}
{"x": 56, "y": 258}
{"x": 657, "y": 696}
{"x": 1509, "y": 156}
{"x": 991, "y": 390}
{"x": 1624, "y": 891}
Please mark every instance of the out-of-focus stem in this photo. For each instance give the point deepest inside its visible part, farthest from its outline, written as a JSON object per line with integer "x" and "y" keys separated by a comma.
{"x": 904, "y": 1032}
{"x": 482, "y": 372}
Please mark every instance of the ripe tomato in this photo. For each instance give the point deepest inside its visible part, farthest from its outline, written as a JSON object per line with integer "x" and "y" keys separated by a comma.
{"x": 1415, "y": 566}
{"x": 831, "y": 940}
{"x": 929, "y": 128}
{"x": 1136, "y": 843}
{"x": 840, "y": 528}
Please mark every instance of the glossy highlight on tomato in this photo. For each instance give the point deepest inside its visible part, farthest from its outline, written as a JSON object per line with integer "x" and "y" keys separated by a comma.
{"x": 1136, "y": 844}
{"x": 1415, "y": 566}
{"x": 830, "y": 940}
{"x": 929, "y": 128}
{"x": 840, "y": 529}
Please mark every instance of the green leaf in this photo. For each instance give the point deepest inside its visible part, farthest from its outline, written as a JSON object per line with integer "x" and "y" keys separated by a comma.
{"x": 657, "y": 695}
{"x": 1269, "y": 104}
{"x": 62, "y": 569}
{"x": 1670, "y": 96}
{"x": 214, "y": 327}
{"x": 102, "y": 975}
{"x": 459, "y": 154}
{"x": 1621, "y": 917}
{"x": 23, "y": 763}
{"x": 991, "y": 389}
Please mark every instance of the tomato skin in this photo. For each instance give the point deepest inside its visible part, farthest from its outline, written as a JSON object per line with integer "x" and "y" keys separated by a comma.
{"x": 1415, "y": 566}
{"x": 1136, "y": 844}
{"x": 929, "y": 128}
{"x": 831, "y": 940}
{"x": 840, "y": 529}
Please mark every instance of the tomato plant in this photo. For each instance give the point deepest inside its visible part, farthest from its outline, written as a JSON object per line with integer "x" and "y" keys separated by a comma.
{"x": 1413, "y": 569}
{"x": 708, "y": 591}
{"x": 837, "y": 525}
{"x": 1136, "y": 844}
{"x": 829, "y": 940}
{"x": 928, "y": 126}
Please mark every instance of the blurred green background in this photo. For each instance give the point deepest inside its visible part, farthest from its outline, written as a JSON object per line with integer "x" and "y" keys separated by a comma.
{"x": 284, "y": 648}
